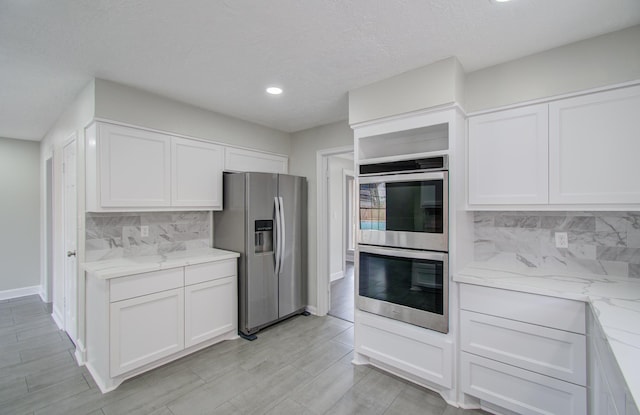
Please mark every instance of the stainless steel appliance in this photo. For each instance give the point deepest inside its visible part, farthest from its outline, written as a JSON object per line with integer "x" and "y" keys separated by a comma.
{"x": 405, "y": 204}
{"x": 264, "y": 218}
{"x": 407, "y": 285}
{"x": 403, "y": 239}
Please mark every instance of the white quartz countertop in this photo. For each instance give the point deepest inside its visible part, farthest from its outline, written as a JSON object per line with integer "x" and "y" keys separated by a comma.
{"x": 119, "y": 267}
{"x": 615, "y": 300}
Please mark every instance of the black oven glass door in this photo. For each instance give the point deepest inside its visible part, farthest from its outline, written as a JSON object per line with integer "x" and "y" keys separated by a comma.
{"x": 411, "y": 282}
{"x": 405, "y": 206}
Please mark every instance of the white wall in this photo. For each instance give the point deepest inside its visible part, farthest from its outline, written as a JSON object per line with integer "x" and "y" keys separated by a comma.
{"x": 118, "y": 102}
{"x": 337, "y": 198}
{"x": 72, "y": 121}
{"x": 19, "y": 214}
{"x": 436, "y": 84}
{"x": 600, "y": 61}
{"x": 304, "y": 147}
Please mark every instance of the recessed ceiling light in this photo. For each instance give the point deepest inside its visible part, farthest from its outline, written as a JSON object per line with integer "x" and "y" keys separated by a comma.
{"x": 274, "y": 90}
{"x": 499, "y": 1}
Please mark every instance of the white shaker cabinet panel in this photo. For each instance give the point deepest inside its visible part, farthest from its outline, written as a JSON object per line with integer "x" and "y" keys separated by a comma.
{"x": 519, "y": 390}
{"x": 134, "y": 167}
{"x": 210, "y": 310}
{"x": 196, "y": 173}
{"x": 594, "y": 144}
{"x": 239, "y": 160}
{"x": 508, "y": 157}
{"x": 145, "y": 329}
{"x": 556, "y": 353}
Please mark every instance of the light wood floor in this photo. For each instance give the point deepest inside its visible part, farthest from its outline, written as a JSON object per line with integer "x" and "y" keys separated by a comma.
{"x": 301, "y": 366}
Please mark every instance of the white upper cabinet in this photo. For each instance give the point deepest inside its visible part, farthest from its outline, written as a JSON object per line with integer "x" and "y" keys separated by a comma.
{"x": 594, "y": 142}
{"x": 134, "y": 167}
{"x": 196, "y": 172}
{"x": 239, "y": 160}
{"x": 508, "y": 157}
{"x": 570, "y": 154}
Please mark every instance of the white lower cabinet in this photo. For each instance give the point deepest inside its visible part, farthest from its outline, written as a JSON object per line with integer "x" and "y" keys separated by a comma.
{"x": 209, "y": 310}
{"x": 145, "y": 329}
{"x": 556, "y": 353}
{"x": 420, "y": 355}
{"x": 519, "y": 390}
{"x": 523, "y": 352}
{"x": 609, "y": 393}
{"x": 141, "y": 321}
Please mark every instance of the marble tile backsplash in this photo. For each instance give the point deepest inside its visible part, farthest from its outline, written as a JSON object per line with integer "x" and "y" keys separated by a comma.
{"x": 605, "y": 243}
{"x": 114, "y": 235}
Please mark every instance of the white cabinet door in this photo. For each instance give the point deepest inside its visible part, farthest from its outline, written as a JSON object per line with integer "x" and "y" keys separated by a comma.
{"x": 237, "y": 159}
{"x": 508, "y": 157}
{"x": 210, "y": 310}
{"x": 594, "y": 147}
{"x": 601, "y": 399}
{"x": 134, "y": 167}
{"x": 519, "y": 390}
{"x": 556, "y": 353}
{"x": 196, "y": 173}
{"x": 145, "y": 329}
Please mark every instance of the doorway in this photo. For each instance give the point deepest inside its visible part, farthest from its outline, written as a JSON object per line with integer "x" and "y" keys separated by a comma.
{"x": 70, "y": 218}
{"x": 47, "y": 286}
{"x": 341, "y": 219}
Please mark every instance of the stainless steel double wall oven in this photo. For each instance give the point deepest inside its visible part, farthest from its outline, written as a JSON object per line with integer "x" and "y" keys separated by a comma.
{"x": 403, "y": 241}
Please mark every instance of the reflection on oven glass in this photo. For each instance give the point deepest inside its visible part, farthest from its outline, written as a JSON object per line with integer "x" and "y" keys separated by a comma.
{"x": 413, "y": 206}
{"x": 414, "y": 283}
{"x": 373, "y": 206}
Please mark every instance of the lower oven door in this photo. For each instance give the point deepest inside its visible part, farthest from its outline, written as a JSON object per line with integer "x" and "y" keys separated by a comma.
{"x": 406, "y": 285}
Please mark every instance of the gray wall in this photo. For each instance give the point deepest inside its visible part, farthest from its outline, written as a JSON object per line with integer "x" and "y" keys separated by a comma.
{"x": 605, "y": 243}
{"x": 19, "y": 213}
{"x": 304, "y": 147}
{"x": 137, "y": 107}
{"x": 336, "y": 210}
{"x": 600, "y": 61}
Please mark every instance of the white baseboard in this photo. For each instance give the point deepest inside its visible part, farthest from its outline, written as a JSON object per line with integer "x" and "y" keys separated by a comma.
{"x": 81, "y": 354}
{"x": 20, "y": 292}
{"x": 57, "y": 318}
{"x": 336, "y": 276}
{"x": 312, "y": 310}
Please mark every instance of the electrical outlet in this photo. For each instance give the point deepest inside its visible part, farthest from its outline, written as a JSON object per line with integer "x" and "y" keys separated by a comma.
{"x": 562, "y": 240}
{"x": 144, "y": 231}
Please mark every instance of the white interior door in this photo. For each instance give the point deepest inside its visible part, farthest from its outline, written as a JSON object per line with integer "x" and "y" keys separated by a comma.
{"x": 70, "y": 208}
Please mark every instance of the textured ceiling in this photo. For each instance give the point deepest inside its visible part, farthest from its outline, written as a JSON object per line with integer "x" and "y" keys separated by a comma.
{"x": 220, "y": 55}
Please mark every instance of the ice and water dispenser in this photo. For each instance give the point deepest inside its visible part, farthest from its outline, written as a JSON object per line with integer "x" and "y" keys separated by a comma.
{"x": 263, "y": 236}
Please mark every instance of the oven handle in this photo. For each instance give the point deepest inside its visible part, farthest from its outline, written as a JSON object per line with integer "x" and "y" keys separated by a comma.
{"x": 404, "y": 253}
{"x": 439, "y": 175}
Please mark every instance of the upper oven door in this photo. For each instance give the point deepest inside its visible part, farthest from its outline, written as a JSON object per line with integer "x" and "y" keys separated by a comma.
{"x": 405, "y": 210}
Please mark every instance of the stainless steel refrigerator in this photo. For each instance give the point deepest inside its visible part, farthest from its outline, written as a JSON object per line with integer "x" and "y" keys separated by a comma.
{"x": 264, "y": 218}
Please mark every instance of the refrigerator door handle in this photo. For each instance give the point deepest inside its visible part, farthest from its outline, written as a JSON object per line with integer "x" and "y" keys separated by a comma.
{"x": 278, "y": 234}
{"x": 282, "y": 236}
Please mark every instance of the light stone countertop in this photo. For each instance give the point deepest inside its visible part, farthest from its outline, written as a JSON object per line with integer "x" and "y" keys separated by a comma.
{"x": 120, "y": 267}
{"x": 615, "y": 300}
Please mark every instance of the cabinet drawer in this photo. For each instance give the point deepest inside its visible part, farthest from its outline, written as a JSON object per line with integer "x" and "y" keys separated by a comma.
{"x": 520, "y": 390}
{"x": 147, "y": 283}
{"x": 551, "y": 352}
{"x": 542, "y": 310}
{"x": 195, "y": 274}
